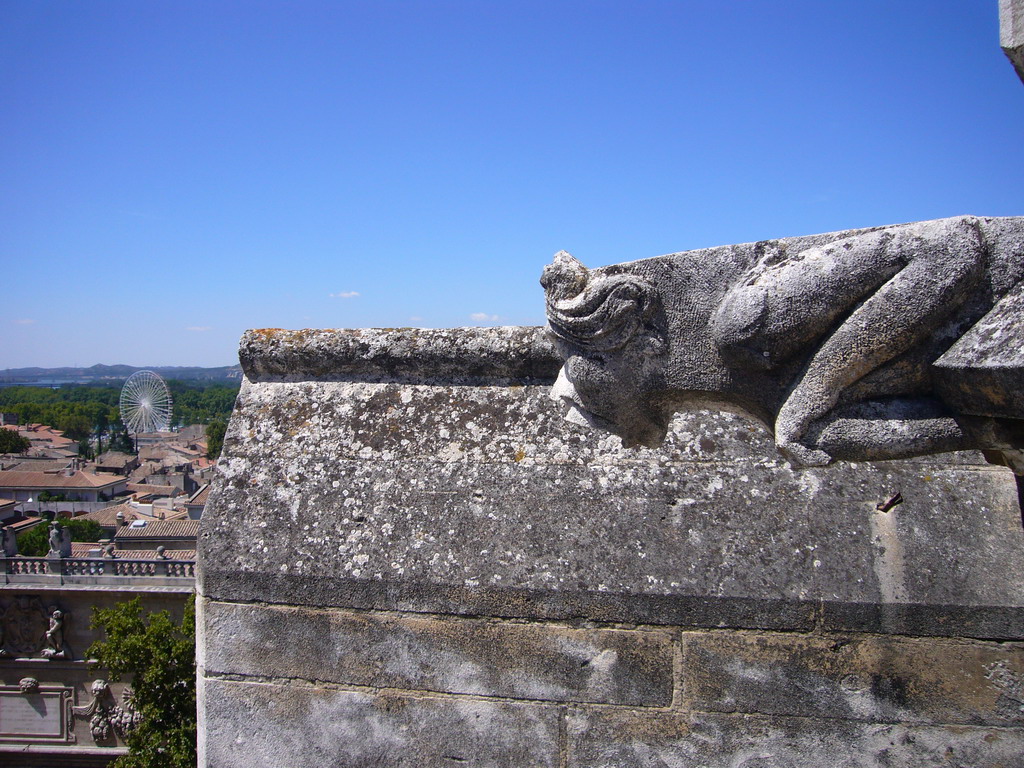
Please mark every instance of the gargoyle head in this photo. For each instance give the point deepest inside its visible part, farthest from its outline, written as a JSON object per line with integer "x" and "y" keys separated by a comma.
{"x": 609, "y": 328}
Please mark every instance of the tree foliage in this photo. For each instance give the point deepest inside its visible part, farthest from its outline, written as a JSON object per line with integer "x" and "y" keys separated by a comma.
{"x": 121, "y": 441}
{"x": 35, "y": 542}
{"x": 83, "y": 409}
{"x": 160, "y": 657}
{"x": 12, "y": 442}
{"x": 215, "y": 438}
{"x": 196, "y": 403}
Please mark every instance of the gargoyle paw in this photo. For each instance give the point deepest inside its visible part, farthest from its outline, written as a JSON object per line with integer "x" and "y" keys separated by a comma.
{"x": 800, "y": 455}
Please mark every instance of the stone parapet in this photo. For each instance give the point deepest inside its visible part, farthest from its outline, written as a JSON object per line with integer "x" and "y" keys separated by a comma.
{"x": 94, "y": 571}
{"x": 1011, "y": 32}
{"x": 448, "y": 355}
{"x": 411, "y": 562}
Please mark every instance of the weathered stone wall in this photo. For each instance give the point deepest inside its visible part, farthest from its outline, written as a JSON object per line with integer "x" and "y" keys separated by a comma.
{"x": 411, "y": 559}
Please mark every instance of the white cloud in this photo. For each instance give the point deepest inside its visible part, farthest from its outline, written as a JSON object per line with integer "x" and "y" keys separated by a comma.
{"x": 199, "y": 328}
{"x": 415, "y": 319}
{"x": 344, "y": 295}
{"x": 483, "y": 317}
{"x": 25, "y": 321}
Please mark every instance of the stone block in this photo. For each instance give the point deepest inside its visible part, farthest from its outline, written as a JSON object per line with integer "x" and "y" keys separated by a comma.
{"x": 981, "y": 373}
{"x": 1011, "y": 32}
{"x": 860, "y": 677}
{"x": 463, "y": 656}
{"x": 477, "y": 356}
{"x": 620, "y": 739}
{"x": 484, "y": 501}
{"x": 299, "y": 726}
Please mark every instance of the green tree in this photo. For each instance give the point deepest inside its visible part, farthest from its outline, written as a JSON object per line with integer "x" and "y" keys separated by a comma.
{"x": 12, "y": 442}
{"x": 35, "y": 542}
{"x": 121, "y": 440}
{"x": 215, "y": 438}
{"x": 80, "y": 409}
{"x": 160, "y": 657}
{"x": 85, "y": 449}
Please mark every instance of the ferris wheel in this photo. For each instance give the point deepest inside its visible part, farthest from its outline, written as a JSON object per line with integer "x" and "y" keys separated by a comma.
{"x": 145, "y": 403}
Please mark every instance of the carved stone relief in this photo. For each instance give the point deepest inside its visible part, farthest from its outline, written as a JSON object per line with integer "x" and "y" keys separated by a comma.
{"x": 28, "y": 685}
{"x": 107, "y": 718}
{"x": 28, "y": 629}
{"x": 25, "y": 622}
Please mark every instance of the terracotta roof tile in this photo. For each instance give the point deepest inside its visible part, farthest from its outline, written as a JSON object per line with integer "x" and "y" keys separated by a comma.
{"x": 107, "y": 516}
{"x": 82, "y": 549}
{"x": 160, "y": 529}
{"x": 114, "y": 459}
{"x": 25, "y": 479}
{"x": 150, "y": 554}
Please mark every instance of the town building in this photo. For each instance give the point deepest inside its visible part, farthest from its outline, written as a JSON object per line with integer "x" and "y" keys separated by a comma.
{"x": 72, "y": 485}
{"x": 56, "y": 707}
{"x": 142, "y": 534}
{"x": 197, "y": 503}
{"x": 116, "y": 463}
{"x": 45, "y": 440}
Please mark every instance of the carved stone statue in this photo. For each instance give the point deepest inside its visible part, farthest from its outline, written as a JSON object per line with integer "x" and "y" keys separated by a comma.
{"x": 55, "y": 540}
{"x": 853, "y": 345}
{"x": 60, "y": 541}
{"x": 10, "y": 542}
{"x": 53, "y": 647}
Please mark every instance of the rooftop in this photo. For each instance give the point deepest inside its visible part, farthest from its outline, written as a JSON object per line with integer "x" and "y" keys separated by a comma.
{"x": 84, "y": 548}
{"x": 25, "y": 479}
{"x": 152, "y": 489}
{"x": 159, "y": 529}
{"x": 114, "y": 459}
{"x": 200, "y": 496}
{"x": 107, "y": 517}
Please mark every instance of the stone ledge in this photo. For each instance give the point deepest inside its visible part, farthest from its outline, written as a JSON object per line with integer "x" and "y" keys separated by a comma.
{"x": 460, "y": 656}
{"x": 455, "y": 355}
{"x": 512, "y": 603}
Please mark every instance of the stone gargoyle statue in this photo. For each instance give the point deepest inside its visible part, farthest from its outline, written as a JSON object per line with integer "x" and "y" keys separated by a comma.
{"x": 861, "y": 345}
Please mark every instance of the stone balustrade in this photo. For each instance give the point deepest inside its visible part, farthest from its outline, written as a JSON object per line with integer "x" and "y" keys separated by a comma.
{"x": 72, "y": 570}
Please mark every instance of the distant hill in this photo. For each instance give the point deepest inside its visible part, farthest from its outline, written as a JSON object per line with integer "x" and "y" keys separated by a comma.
{"x": 99, "y": 372}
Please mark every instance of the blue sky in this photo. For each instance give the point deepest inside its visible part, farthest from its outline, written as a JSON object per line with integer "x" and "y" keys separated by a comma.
{"x": 172, "y": 173}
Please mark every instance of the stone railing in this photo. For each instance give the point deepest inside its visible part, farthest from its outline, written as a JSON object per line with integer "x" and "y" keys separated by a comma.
{"x": 87, "y": 569}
